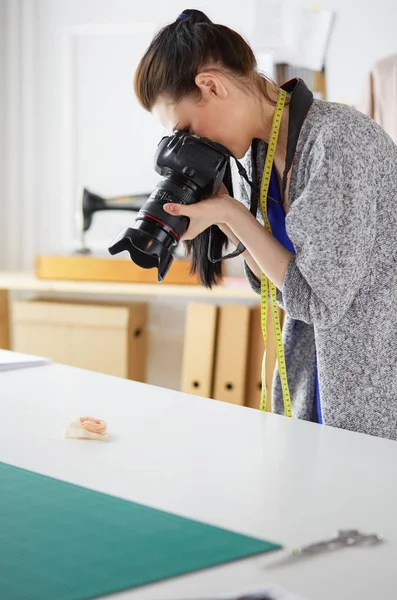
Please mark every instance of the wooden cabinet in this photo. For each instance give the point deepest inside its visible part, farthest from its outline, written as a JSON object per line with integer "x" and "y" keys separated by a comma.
{"x": 108, "y": 338}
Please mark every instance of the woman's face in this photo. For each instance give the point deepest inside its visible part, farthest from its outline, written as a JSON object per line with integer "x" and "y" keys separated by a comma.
{"x": 222, "y": 113}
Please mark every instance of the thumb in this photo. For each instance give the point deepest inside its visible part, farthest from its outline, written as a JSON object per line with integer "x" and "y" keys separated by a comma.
{"x": 177, "y": 209}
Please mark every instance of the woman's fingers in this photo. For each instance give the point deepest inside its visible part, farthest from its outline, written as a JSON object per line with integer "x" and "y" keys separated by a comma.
{"x": 177, "y": 209}
{"x": 201, "y": 214}
{"x": 197, "y": 224}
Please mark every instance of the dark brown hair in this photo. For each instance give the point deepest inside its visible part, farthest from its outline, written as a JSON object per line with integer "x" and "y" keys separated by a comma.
{"x": 169, "y": 67}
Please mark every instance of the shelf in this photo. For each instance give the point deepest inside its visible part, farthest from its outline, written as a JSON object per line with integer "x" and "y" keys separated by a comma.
{"x": 26, "y": 281}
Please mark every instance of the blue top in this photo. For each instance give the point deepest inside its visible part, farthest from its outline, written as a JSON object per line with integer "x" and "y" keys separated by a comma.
{"x": 276, "y": 216}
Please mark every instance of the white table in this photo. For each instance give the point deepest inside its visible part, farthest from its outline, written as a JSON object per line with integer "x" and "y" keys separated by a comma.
{"x": 262, "y": 475}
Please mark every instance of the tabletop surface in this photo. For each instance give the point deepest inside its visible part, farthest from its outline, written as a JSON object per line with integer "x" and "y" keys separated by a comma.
{"x": 259, "y": 474}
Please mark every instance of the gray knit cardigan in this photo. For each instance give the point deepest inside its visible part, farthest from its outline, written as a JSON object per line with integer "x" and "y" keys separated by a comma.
{"x": 340, "y": 290}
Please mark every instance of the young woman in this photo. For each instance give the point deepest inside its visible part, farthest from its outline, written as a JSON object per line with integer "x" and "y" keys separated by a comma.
{"x": 332, "y": 206}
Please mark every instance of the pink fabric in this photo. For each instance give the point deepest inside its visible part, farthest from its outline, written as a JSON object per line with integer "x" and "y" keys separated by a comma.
{"x": 379, "y": 99}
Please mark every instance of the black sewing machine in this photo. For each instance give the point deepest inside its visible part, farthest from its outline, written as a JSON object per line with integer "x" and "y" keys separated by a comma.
{"x": 90, "y": 203}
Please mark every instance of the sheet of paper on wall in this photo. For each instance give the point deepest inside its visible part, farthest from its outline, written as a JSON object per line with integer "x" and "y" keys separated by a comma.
{"x": 314, "y": 36}
{"x": 15, "y": 360}
{"x": 307, "y": 41}
{"x": 268, "y": 25}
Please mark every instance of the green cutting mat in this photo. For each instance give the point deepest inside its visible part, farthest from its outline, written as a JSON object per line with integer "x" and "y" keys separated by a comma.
{"x": 64, "y": 542}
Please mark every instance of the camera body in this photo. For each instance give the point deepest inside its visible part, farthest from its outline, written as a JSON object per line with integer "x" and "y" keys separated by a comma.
{"x": 196, "y": 161}
{"x": 192, "y": 168}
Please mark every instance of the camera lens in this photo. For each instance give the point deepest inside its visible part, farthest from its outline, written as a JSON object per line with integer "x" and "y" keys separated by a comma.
{"x": 192, "y": 169}
{"x": 155, "y": 232}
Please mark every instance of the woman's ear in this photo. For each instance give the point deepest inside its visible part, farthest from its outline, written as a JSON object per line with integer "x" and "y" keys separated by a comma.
{"x": 211, "y": 85}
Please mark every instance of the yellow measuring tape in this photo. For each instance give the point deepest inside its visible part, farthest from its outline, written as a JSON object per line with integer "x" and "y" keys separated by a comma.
{"x": 267, "y": 285}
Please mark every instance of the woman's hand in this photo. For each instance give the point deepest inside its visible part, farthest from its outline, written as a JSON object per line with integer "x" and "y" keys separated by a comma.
{"x": 264, "y": 252}
{"x": 212, "y": 211}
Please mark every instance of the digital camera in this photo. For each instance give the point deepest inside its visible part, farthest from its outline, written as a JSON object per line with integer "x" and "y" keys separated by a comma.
{"x": 192, "y": 168}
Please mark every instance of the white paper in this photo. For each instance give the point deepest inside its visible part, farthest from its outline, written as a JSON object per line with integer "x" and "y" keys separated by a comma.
{"x": 15, "y": 360}
{"x": 306, "y": 37}
{"x": 268, "y": 25}
{"x": 314, "y": 36}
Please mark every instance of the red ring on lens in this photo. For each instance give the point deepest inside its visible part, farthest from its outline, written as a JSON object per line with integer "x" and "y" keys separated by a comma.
{"x": 164, "y": 225}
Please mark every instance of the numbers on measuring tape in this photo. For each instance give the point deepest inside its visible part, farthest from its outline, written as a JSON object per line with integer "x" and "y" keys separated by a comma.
{"x": 268, "y": 289}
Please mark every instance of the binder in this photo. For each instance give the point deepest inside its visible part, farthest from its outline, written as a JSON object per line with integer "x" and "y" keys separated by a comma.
{"x": 232, "y": 353}
{"x": 199, "y": 349}
{"x": 5, "y": 333}
{"x": 255, "y": 357}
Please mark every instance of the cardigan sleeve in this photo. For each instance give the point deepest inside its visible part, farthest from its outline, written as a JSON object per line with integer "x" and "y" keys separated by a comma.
{"x": 332, "y": 224}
